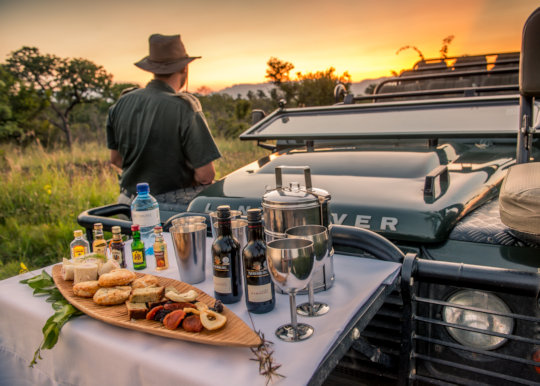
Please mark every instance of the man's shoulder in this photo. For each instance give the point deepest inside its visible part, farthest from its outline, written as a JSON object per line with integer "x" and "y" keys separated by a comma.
{"x": 128, "y": 90}
{"x": 191, "y": 99}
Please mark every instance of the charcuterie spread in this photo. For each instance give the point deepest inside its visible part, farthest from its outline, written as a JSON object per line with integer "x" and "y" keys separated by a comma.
{"x": 153, "y": 304}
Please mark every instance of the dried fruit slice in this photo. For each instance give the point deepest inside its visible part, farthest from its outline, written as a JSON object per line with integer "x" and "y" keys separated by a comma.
{"x": 150, "y": 315}
{"x": 192, "y": 324}
{"x": 172, "y": 320}
{"x": 189, "y": 296}
{"x": 212, "y": 320}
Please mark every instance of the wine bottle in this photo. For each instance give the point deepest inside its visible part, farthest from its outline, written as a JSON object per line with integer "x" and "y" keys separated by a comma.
{"x": 226, "y": 260}
{"x": 259, "y": 291}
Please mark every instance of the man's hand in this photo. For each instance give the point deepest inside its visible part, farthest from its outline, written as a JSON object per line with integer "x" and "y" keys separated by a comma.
{"x": 116, "y": 161}
{"x": 205, "y": 174}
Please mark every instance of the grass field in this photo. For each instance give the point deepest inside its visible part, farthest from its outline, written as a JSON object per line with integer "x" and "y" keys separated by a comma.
{"x": 44, "y": 191}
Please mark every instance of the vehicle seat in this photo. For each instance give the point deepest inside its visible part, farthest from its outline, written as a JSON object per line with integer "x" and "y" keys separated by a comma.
{"x": 519, "y": 201}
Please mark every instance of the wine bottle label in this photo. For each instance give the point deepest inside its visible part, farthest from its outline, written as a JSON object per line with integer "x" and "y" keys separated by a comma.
{"x": 138, "y": 257}
{"x": 145, "y": 218}
{"x": 259, "y": 293}
{"x": 117, "y": 255}
{"x": 222, "y": 285}
{"x": 78, "y": 250}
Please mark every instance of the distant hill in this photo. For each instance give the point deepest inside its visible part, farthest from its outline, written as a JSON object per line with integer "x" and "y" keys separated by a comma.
{"x": 357, "y": 88}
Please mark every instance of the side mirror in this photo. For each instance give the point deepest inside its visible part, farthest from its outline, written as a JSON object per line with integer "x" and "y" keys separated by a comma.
{"x": 257, "y": 115}
{"x": 529, "y": 62}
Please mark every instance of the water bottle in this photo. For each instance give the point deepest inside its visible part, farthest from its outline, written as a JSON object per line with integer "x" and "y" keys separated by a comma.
{"x": 145, "y": 212}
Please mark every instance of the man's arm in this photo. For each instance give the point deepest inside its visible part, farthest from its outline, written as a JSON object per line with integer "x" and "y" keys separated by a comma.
{"x": 116, "y": 161}
{"x": 205, "y": 174}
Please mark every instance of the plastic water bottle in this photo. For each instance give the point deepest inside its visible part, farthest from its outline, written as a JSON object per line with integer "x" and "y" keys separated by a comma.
{"x": 145, "y": 212}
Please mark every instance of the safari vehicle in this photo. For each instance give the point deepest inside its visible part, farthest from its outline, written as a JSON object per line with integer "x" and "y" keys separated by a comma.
{"x": 415, "y": 172}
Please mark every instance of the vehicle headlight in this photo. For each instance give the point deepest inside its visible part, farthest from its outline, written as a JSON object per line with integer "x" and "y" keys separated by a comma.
{"x": 476, "y": 319}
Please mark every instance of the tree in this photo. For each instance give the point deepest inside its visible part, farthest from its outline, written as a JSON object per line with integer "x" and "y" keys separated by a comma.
{"x": 19, "y": 107}
{"x": 278, "y": 71}
{"x": 62, "y": 83}
{"x": 311, "y": 89}
{"x": 317, "y": 89}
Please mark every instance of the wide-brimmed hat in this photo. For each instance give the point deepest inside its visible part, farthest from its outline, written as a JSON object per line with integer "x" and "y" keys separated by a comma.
{"x": 167, "y": 55}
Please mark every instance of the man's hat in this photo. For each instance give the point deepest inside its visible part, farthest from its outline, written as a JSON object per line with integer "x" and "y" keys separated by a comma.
{"x": 167, "y": 55}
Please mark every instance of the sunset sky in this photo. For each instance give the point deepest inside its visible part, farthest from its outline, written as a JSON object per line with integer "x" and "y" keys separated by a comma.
{"x": 237, "y": 37}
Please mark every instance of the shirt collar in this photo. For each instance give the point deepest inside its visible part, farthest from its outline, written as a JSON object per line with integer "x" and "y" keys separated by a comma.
{"x": 160, "y": 85}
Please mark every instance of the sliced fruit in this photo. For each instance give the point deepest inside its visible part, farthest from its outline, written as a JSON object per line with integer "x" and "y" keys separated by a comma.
{"x": 189, "y": 296}
{"x": 212, "y": 320}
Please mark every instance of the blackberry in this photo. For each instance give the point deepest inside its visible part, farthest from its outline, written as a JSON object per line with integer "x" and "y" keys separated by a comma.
{"x": 218, "y": 306}
{"x": 160, "y": 315}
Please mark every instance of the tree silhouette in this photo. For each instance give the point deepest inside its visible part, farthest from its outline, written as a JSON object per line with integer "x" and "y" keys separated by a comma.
{"x": 62, "y": 83}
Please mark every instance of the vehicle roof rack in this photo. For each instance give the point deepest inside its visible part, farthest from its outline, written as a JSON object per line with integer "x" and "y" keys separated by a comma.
{"x": 457, "y": 76}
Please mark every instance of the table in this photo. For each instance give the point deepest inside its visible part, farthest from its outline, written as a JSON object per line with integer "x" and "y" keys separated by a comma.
{"x": 91, "y": 352}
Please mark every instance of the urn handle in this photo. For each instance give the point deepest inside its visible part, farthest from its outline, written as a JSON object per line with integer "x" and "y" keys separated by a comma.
{"x": 279, "y": 175}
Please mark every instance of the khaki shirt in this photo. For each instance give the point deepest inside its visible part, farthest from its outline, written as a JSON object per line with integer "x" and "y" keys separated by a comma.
{"x": 161, "y": 136}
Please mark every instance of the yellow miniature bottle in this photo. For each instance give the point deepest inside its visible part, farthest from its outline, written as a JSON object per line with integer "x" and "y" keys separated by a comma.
{"x": 160, "y": 249}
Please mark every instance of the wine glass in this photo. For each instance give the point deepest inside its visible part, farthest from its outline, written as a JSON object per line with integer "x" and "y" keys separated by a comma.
{"x": 290, "y": 262}
{"x": 322, "y": 244}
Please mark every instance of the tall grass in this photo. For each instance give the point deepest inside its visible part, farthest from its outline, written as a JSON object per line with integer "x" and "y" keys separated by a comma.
{"x": 44, "y": 191}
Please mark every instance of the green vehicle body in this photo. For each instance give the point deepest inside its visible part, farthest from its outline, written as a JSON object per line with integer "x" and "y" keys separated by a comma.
{"x": 424, "y": 169}
{"x": 403, "y": 188}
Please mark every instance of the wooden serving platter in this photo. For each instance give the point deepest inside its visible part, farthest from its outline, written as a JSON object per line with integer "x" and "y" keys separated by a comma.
{"x": 234, "y": 333}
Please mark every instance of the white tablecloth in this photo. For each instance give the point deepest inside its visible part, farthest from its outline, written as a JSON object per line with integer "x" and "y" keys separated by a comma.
{"x": 91, "y": 352}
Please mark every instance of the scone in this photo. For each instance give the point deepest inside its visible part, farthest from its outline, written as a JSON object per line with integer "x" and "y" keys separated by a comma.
{"x": 86, "y": 289}
{"x": 112, "y": 295}
{"x": 117, "y": 277}
{"x": 145, "y": 281}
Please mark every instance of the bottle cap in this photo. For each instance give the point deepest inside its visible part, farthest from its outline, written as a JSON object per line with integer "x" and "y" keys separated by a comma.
{"x": 135, "y": 227}
{"x": 223, "y": 211}
{"x": 77, "y": 233}
{"x": 143, "y": 187}
{"x": 158, "y": 229}
{"x": 116, "y": 229}
{"x": 98, "y": 225}
{"x": 254, "y": 215}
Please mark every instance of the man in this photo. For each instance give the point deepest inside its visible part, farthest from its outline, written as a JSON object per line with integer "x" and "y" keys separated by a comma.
{"x": 159, "y": 135}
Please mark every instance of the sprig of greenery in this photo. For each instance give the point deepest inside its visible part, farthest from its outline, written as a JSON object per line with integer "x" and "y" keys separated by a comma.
{"x": 43, "y": 284}
{"x": 265, "y": 356}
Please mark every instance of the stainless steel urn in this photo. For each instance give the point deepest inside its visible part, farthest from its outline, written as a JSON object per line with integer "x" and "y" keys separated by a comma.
{"x": 293, "y": 205}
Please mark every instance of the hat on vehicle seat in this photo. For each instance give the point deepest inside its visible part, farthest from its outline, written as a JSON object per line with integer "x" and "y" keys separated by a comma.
{"x": 167, "y": 55}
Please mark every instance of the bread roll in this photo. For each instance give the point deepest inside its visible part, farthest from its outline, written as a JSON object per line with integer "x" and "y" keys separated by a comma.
{"x": 86, "y": 289}
{"x": 117, "y": 277}
{"x": 145, "y": 281}
{"x": 112, "y": 295}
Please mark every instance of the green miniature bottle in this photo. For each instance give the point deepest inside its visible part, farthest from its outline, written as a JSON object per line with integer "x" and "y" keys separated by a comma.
{"x": 137, "y": 249}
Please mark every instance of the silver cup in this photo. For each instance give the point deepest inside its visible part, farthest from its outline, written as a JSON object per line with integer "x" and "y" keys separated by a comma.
{"x": 189, "y": 243}
{"x": 213, "y": 220}
{"x": 189, "y": 220}
{"x": 322, "y": 244}
{"x": 290, "y": 262}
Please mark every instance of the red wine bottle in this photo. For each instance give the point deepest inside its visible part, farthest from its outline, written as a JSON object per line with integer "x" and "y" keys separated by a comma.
{"x": 259, "y": 290}
{"x": 226, "y": 260}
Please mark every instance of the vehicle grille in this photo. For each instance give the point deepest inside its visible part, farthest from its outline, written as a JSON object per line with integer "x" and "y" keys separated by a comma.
{"x": 415, "y": 343}
{"x": 384, "y": 333}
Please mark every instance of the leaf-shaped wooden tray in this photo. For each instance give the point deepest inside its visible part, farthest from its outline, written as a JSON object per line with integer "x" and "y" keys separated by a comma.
{"x": 234, "y": 333}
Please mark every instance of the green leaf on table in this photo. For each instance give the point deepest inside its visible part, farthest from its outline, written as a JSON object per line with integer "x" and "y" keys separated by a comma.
{"x": 43, "y": 284}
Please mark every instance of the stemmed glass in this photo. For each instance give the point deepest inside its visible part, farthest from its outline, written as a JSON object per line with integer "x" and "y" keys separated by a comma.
{"x": 322, "y": 244}
{"x": 290, "y": 262}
